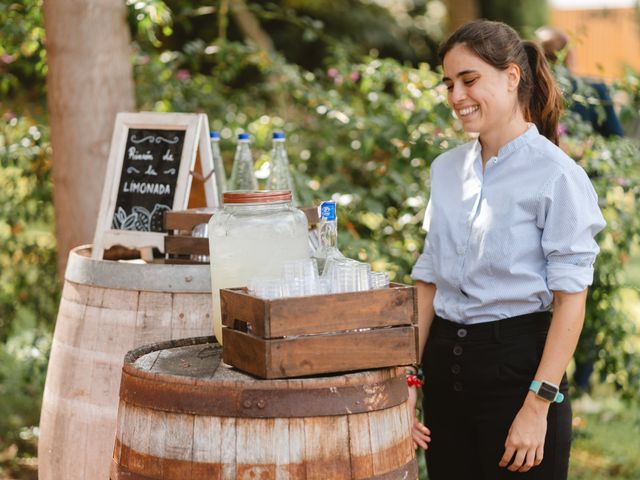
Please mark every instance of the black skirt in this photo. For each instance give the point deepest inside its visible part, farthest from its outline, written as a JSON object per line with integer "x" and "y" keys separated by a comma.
{"x": 476, "y": 380}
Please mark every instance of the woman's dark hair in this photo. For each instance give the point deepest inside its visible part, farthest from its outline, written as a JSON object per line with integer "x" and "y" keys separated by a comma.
{"x": 499, "y": 45}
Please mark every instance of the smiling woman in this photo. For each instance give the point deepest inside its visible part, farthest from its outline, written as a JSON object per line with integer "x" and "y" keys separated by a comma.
{"x": 510, "y": 224}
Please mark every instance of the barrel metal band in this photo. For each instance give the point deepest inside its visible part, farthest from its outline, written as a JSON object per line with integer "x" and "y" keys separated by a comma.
{"x": 212, "y": 399}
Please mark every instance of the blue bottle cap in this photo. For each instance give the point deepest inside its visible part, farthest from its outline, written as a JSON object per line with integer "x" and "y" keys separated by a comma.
{"x": 278, "y": 135}
{"x": 213, "y": 134}
{"x": 328, "y": 210}
{"x": 243, "y": 136}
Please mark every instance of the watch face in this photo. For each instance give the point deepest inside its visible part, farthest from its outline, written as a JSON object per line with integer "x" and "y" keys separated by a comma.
{"x": 548, "y": 392}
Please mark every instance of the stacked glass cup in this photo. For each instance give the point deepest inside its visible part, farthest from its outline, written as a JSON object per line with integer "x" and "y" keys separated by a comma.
{"x": 300, "y": 278}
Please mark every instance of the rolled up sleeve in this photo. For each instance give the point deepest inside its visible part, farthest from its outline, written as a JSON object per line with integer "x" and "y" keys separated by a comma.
{"x": 570, "y": 218}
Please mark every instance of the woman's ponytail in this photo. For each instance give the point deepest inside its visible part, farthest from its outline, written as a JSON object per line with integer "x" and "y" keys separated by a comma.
{"x": 544, "y": 99}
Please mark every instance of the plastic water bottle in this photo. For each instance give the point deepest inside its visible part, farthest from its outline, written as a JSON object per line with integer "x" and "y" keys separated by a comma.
{"x": 280, "y": 176}
{"x": 242, "y": 174}
{"x": 327, "y": 235}
{"x": 218, "y": 166}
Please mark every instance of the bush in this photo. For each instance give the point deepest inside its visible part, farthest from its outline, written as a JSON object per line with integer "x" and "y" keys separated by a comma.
{"x": 28, "y": 280}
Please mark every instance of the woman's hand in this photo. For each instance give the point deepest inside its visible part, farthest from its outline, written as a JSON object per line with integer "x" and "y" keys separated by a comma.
{"x": 421, "y": 435}
{"x": 525, "y": 441}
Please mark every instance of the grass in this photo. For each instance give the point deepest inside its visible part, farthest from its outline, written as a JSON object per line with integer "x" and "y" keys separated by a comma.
{"x": 606, "y": 439}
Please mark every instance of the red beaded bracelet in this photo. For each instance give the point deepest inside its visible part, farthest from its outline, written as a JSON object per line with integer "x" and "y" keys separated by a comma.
{"x": 414, "y": 376}
{"x": 414, "y": 381}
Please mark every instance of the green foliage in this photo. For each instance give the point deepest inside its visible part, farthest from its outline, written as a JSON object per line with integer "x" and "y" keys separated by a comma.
{"x": 525, "y": 15}
{"x": 608, "y": 333}
{"x": 28, "y": 280}
{"x": 22, "y": 53}
{"x": 362, "y": 133}
{"x": 628, "y": 89}
{"x": 28, "y": 287}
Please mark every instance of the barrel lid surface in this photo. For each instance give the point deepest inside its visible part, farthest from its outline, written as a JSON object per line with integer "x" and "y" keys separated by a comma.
{"x": 187, "y": 376}
{"x": 154, "y": 277}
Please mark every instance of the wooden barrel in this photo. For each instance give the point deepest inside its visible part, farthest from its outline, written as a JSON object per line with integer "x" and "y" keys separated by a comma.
{"x": 108, "y": 308}
{"x": 183, "y": 415}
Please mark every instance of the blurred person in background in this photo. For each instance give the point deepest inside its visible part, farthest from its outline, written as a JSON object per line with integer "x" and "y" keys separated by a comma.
{"x": 556, "y": 46}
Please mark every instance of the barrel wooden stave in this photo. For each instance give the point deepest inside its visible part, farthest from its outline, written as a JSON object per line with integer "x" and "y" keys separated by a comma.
{"x": 185, "y": 446}
{"x": 96, "y": 326}
{"x": 163, "y": 444}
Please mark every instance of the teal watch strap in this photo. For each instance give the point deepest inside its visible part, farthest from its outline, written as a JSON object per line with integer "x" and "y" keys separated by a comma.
{"x": 544, "y": 390}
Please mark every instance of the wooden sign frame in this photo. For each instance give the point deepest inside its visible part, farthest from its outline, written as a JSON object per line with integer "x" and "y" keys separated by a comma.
{"x": 196, "y": 140}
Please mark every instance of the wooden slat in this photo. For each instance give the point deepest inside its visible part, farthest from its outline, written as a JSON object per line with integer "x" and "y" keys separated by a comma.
{"x": 186, "y": 219}
{"x": 228, "y": 448}
{"x": 140, "y": 429}
{"x": 188, "y": 318}
{"x": 314, "y": 354}
{"x": 387, "y": 436}
{"x": 256, "y": 449}
{"x": 206, "y": 448}
{"x": 186, "y": 245}
{"x": 246, "y": 352}
{"x": 157, "y": 433}
{"x": 327, "y": 448}
{"x": 280, "y": 446}
{"x": 178, "y": 445}
{"x": 321, "y": 313}
{"x": 237, "y": 304}
{"x": 153, "y": 317}
{"x": 360, "y": 446}
{"x": 312, "y": 215}
{"x": 296, "y": 447}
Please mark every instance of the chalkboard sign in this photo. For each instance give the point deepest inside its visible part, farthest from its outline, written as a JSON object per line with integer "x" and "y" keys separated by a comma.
{"x": 148, "y": 179}
{"x": 149, "y": 172}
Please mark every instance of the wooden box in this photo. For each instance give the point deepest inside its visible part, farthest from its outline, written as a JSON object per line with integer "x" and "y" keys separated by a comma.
{"x": 320, "y": 334}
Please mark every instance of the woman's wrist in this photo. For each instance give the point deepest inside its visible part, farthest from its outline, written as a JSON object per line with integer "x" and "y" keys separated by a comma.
{"x": 537, "y": 404}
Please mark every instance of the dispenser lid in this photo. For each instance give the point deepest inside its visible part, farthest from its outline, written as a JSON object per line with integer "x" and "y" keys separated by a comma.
{"x": 255, "y": 196}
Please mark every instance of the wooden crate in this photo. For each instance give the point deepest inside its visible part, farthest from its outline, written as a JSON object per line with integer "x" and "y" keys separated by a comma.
{"x": 179, "y": 245}
{"x": 301, "y": 336}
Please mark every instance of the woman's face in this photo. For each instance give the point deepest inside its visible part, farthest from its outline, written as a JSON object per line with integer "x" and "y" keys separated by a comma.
{"x": 482, "y": 97}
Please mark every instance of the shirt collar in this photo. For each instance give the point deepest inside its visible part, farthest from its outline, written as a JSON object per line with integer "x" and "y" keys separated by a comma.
{"x": 519, "y": 141}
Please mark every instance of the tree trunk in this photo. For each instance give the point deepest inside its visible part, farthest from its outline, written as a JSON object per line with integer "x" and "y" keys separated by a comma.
{"x": 89, "y": 80}
{"x": 461, "y": 12}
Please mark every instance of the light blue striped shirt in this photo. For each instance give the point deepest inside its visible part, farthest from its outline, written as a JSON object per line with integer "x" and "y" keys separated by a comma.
{"x": 499, "y": 243}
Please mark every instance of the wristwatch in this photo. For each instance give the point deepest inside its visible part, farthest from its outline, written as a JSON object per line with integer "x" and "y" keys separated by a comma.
{"x": 547, "y": 391}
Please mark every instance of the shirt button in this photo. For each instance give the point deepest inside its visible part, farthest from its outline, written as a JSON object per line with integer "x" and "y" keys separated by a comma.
{"x": 495, "y": 160}
{"x": 462, "y": 332}
{"x": 460, "y": 250}
{"x": 455, "y": 369}
{"x": 457, "y": 386}
{"x": 457, "y": 350}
